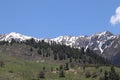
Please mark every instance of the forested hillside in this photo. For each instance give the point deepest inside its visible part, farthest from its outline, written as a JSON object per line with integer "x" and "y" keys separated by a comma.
{"x": 57, "y": 52}
{"x": 31, "y": 60}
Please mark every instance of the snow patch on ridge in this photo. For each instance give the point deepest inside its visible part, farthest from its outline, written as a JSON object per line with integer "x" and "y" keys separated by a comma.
{"x": 100, "y": 47}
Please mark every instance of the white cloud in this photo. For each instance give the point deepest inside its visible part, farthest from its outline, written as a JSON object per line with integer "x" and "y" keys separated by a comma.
{"x": 115, "y": 19}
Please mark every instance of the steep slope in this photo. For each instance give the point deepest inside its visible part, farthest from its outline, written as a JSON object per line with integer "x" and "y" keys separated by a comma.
{"x": 97, "y": 42}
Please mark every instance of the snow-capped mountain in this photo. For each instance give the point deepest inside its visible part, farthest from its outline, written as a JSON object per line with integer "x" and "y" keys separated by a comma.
{"x": 104, "y": 43}
{"x": 96, "y": 41}
{"x": 15, "y": 36}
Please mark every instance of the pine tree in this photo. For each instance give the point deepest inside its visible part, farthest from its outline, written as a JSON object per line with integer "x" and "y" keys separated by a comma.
{"x": 2, "y": 64}
{"x": 31, "y": 49}
{"x": 61, "y": 71}
{"x": 106, "y": 75}
{"x": 44, "y": 68}
{"x": 39, "y": 51}
{"x": 55, "y": 56}
{"x": 66, "y": 66}
{"x": 70, "y": 60}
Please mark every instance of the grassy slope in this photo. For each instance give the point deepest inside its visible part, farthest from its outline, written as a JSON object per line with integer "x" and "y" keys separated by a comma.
{"x": 28, "y": 70}
{"x": 17, "y": 68}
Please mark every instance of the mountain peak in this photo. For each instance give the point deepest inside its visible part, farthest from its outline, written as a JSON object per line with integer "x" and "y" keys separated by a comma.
{"x": 14, "y": 35}
{"x": 105, "y": 33}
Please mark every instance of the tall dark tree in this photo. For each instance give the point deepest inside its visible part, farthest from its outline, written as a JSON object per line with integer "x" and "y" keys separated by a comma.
{"x": 70, "y": 60}
{"x": 12, "y": 41}
{"x": 31, "y": 49}
{"x": 39, "y": 51}
{"x": 61, "y": 71}
{"x": 106, "y": 75}
{"x": 55, "y": 56}
{"x": 66, "y": 66}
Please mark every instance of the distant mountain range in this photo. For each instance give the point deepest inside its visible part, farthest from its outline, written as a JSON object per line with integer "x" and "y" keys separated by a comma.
{"x": 104, "y": 43}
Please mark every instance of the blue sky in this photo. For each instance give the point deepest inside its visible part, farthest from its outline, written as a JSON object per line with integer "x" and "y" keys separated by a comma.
{"x": 52, "y": 18}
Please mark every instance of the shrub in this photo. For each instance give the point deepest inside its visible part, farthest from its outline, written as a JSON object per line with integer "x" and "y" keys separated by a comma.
{"x": 41, "y": 74}
{"x": 94, "y": 75}
{"x": 101, "y": 70}
{"x": 10, "y": 71}
{"x": 101, "y": 78}
{"x": 2, "y": 64}
{"x": 87, "y": 74}
{"x": 61, "y": 74}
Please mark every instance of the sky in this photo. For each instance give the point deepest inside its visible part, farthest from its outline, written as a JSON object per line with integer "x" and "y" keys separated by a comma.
{"x": 52, "y": 18}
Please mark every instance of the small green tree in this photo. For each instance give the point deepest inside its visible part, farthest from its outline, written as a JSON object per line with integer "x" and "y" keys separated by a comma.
{"x": 106, "y": 75}
{"x": 101, "y": 70}
{"x": 55, "y": 56}
{"x": 52, "y": 69}
{"x": 61, "y": 71}
{"x": 87, "y": 74}
{"x": 66, "y": 66}
{"x": 41, "y": 74}
{"x": 12, "y": 41}
{"x": 39, "y": 52}
{"x": 44, "y": 68}
{"x": 31, "y": 49}
{"x": 84, "y": 67}
{"x": 2, "y": 64}
{"x": 61, "y": 67}
{"x": 70, "y": 60}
